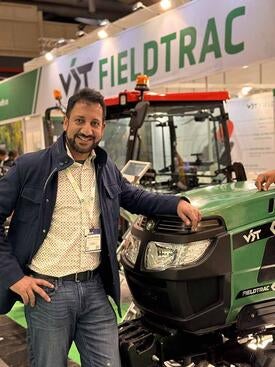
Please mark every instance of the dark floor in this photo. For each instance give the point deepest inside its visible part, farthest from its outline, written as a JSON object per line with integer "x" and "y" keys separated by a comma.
{"x": 13, "y": 349}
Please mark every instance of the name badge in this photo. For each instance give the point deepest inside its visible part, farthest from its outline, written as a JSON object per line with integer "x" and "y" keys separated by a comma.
{"x": 93, "y": 240}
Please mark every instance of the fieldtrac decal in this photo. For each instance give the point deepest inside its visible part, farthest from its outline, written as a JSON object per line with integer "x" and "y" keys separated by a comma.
{"x": 79, "y": 74}
{"x": 257, "y": 290}
{"x": 173, "y": 52}
{"x": 253, "y": 234}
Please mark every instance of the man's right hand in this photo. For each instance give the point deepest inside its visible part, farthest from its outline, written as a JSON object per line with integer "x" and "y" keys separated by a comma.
{"x": 189, "y": 214}
{"x": 27, "y": 286}
{"x": 264, "y": 180}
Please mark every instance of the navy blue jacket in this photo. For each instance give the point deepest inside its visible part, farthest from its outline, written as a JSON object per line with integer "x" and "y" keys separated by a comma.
{"x": 29, "y": 190}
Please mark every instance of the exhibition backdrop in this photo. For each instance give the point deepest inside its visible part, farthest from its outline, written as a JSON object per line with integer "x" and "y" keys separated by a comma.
{"x": 254, "y": 132}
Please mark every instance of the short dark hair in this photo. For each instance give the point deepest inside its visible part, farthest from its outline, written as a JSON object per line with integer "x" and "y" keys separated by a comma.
{"x": 86, "y": 95}
{"x": 13, "y": 154}
{"x": 3, "y": 151}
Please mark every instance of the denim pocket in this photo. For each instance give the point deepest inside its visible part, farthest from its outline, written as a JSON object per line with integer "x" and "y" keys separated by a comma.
{"x": 50, "y": 291}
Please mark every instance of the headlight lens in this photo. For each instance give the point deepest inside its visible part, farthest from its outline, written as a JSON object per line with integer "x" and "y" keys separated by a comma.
{"x": 161, "y": 255}
{"x": 131, "y": 248}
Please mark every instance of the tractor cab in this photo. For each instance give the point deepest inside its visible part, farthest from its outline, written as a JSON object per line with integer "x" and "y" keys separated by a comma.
{"x": 185, "y": 136}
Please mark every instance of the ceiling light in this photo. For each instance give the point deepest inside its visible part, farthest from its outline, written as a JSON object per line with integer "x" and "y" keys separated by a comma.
{"x": 102, "y": 34}
{"x": 49, "y": 56}
{"x": 138, "y": 5}
{"x": 245, "y": 90}
{"x": 60, "y": 42}
{"x": 88, "y": 21}
{"x": 104, "y": 22}
{"x": 80, "y": 30}
{"x": 80, "y": 33}
{"x": 165, "y": 4}
{"x": 245, "y": 67}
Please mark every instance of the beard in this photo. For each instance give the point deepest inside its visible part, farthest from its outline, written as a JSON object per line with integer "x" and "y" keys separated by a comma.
{"x": 73, "y": 144}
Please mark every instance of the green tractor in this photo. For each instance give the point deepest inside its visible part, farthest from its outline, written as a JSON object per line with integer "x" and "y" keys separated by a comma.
{"x": 206, "y": 298}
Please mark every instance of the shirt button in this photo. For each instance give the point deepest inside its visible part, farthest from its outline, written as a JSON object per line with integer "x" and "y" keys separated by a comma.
{"x": 47, "y": 200}
{"x": 61, "y": 164}
{"x": 44, "y": 230}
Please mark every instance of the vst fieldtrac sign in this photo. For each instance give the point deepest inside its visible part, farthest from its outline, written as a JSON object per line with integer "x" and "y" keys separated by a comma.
{"x": 121, "y": 68}
{"x": 172, "y": 53}
{"x": 187, "y": 43}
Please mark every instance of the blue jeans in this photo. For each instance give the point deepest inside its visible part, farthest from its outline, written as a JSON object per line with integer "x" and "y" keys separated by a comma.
{"x": 80, "y": 312}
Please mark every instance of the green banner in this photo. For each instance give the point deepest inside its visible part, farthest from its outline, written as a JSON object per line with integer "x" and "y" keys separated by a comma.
{"x": 18, "y": 95}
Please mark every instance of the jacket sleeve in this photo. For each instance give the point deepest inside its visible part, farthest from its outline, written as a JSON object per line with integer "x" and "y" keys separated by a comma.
{"x": 139, "y": 201}
{"x": 10, "y": 270}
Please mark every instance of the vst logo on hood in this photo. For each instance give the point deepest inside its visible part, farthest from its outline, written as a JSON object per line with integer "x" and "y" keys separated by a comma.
{"x": 77, "y": 76}
{"x": 252, "y": 236}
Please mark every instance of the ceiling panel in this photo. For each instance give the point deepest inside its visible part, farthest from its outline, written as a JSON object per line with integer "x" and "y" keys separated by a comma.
{"x": 69, "y": 10}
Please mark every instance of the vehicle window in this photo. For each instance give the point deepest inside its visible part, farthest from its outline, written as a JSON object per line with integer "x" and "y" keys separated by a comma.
{"x": 115, "y": 140}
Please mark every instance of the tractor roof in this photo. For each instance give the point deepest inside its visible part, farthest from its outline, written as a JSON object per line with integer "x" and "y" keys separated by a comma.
{"x": 134, "y": 96}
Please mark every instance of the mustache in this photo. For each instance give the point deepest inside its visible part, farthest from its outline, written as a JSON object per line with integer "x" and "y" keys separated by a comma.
{"x": 81, "y": 135}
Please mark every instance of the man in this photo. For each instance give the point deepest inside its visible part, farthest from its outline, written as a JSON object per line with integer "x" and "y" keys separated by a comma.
{"x": 60, "y": 253}
{"x": 265, "y": 179}
{"x": 3, "y": 155}
{"x": 12, "y": 155}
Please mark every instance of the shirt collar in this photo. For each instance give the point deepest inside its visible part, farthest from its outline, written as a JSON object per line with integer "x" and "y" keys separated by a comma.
{"x": 91, "y": 156}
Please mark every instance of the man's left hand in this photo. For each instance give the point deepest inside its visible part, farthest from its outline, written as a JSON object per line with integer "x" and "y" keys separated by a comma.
{"x": 189, "y": 214}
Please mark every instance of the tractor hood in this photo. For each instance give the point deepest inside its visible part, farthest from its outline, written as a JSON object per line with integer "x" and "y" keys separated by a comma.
{"x": 238, "y": 203}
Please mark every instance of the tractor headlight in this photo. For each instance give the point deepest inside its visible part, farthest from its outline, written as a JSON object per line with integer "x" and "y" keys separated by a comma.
{"x": 161, "y": 255}
{"x": 131, "y": 248}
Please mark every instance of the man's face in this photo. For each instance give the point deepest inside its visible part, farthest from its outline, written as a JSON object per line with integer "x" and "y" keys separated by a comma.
{"x": 84, "y": 128}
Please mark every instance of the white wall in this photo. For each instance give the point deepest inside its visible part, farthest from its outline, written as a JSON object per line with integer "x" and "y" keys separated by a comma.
{"x": 254, "y": 132}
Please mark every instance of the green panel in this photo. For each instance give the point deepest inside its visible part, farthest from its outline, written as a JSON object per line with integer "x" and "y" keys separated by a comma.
{"x": 246, "y": 263}
{"x": 17, "y": 95}
{"x": 240, "y": 204}
{"x": 243, "y": 209}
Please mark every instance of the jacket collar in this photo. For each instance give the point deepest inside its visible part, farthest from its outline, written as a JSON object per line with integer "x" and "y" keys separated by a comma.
{"x": 62, "y": 160}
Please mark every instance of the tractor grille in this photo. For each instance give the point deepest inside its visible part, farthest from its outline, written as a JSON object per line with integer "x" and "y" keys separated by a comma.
{"x": 171, "y": 225}
{"x": 174, "y": 225}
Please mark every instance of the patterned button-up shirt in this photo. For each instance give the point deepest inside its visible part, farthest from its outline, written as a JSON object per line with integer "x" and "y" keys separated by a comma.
{"x": 64, "y": 249}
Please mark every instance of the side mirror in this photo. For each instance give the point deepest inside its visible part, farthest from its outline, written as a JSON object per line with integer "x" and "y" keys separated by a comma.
{"x": 201, "y": 116}
{"x": 138, "y": 115}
